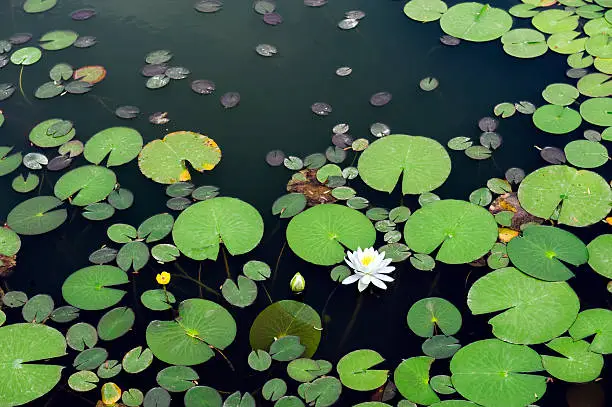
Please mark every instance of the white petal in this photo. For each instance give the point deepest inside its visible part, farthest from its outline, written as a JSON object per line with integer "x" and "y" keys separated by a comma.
{"x": 350, "y": 264}
{"x": 362, "y": 285}
{"x": 366, "y": 278}
{"x": 384, "y": 277}
{"x": 379, "y": 283}
{"x": 386, "y": 262}
{"x": 351, "y": 279}
{"x": 385, "y": 270}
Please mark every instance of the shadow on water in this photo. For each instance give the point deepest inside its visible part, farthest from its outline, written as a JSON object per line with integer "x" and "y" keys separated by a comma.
{"x": 387, "y": 53}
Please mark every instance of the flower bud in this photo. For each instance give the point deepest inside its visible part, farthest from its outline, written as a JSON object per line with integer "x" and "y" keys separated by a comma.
{"x": 297, "y": 283}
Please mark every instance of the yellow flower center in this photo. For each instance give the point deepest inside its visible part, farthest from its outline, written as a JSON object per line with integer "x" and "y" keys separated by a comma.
{"x": 367, "y": 260}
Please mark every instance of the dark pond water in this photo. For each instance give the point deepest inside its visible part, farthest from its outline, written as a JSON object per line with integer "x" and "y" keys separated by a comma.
{"x": 387, "y": 52}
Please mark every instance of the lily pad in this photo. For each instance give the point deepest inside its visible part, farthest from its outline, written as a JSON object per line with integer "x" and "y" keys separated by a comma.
{"x": 56, "y": 40}
{"x": 177, "y": 378}
{"x": 202, "y": 396}
{"x": 284, "y": 318}
{"x": 38, "y": 6}
{"x": 475, "y": 22}
{"x": 137, "y": 360}
{"x": 412, "y": 380}
{"x": 90, "y": 288}
{"x": 555, "y": 21}
{"x": 120, "y": 144}
{"x": 578, "y": 365}
{"x": 424, "y": 315}
{"x": 81, "y": 336}
{"x": 189, "y": 340}
{"x": 115, "y": 323}
{"x": 26, "y": 56}
{"x": 584, "y": 196}
{"x": 533, "y": 311}
{"x": 494, "y": 373}
{"x": 600, "y": 255}
{"x": 355, "y": 370}
{"x": 560, "y": 94}
{"x": 463, "y": 231}
{"x": 597, "y": 111}
{"x": 424, "y": 163}
{"x": 201, "y": 228}
{"x": 164, "y": 161}
{"x": 241, "y": 294}
{"x": 586, "y": 153}
{"x": 425, "y": 10}
{"x": 556, "y": 119}
{"x": 524, "y": 43}
{"x": 85, "y": 185}
{"x": 49, "y": 133}
{"x": 320, "y": 234}
{"x": 49, "y": 90}
{"x": 10, "y": 243}
{"x": 36, "y": 216}
{"x": 598, "y": 322}
{"x": 22, "y": 381}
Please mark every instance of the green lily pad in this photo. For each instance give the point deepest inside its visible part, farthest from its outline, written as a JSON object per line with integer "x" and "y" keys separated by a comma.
{"x": 165, "y": 253}
{"x": 10, "y": 243}
{"x": 157, "y": 397}
{"x": 412, "y": 380}
{"x": 90, "y": 288}
{"x": 355, "y": 370}
{"x": 579, "y": 364}
{"x": 532, "y": 311}
{"x": 284, "y": 318}
{"x": 597, "y": 111}
{"x": 556, "y": 119}
{"x": 164, "y": 160}
{"x": 27, "y": 184}
{"x": 177, "y": 378}
{"x": 306, "y": 370}
{"x": 43, "y": 134}
{"x": 598, "y": 322}
{"x": 61, "y": 72}
{"x": 38, "y": 308}
{"x": 116, "y": 323}
{"x": 26, "y": 56}
{"x": 599, "y": 46}
{"x": 188, "y": 339}
{"x": 424, "y": 315}
{"x": 85, "y": 185}
{"x": 494, "y": 373}
{"x": 475, "y": 22}
{"x": 137, "y": 360}
{"x": 595, "y": 85}
{"x": 560, "y": 94}
{"x": 49, "y": 90}
{"x": 424, "y": 163}
{"x": 440, "y": 346}
{"x": 286, "y": 348}
{"x": 323, "y": 392}
{"x": 108, "y": 369}
{"x": 259, "y": 360}
{"x": 20, "y": 344}
{"x": 524, "y": 43}
{"x": 81, "y": 336}
{"x": 201, "y": 228}
{"x": 442, "y": 384}
{"x": 566, "y": 42}
{"x": 504, "y": 109}
{"x": 133, "y": 398}
{"x": 202, "y": 396}
{"x": 586, "y": 153}
{"x": 555, "y": 21}
{"x": 121, "y": 233}
{"x": 36, "y": 216}
{"x": 90, "y": 359}
{"x": 121, "y": 199}
{"x": 38, "y": 6}
{"x": 83, "y": 381}
{"x": 600, "y": 255}
{"x": 133, "y": 255}
{"x": 579, "y": 60}
{"x": 274, "y": 389}
{"x": 120, "y": 144}
{"x": 9, "y": 163}
{"x": 256, "y": 270}
{"x": 56, "y": 40}
{"x": 156, "y": 227}
{"x": 289, "y": 205}
{"x": 240, "y": 295}
{"x": 157, "y": 300}
{"x": 320, "y": 234}
{"x": 425, "y": 10}
{"x": 65, "y": 313}
{"x": 463, "y": 231}
{"x": 523, "y": 10}
{"x": 584, "y": 196}
{"x": 542, "y": 251}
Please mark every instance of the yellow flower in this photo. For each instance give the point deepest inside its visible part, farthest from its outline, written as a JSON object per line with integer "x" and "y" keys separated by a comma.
{"x": 163, "y": 278}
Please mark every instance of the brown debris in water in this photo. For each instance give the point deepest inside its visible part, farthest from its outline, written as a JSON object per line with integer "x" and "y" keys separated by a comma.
{"x": 306, "y": 182}
{"x": 510, "y": 202}
{"x": 7, "y": 264}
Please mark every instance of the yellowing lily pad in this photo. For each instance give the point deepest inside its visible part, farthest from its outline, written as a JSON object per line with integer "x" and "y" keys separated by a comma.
{"x": 164, "y": 161}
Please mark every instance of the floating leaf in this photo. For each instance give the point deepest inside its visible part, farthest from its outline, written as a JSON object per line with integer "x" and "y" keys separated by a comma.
{"x": 187, "y": 340}
{"x": 475, "y": 22}
{"x": 22, "y": 381}
{"x": 541, "y": 249}
{"x": 494, "y": 373}
{"x": 534, "y": 311}
{"x": 425, "y": 10}
{"x": 132, "y": 398}
{"x": 441, "y": 346}
{"x": 320, "y": 234}
{"x": 423, "y": 161}
{"x": 10, "y": 243}
{"x": 164, "y": 160}
{"x": 177, "y": 378}
{"x": 157, "y": 397}
{"x": 56, "y": 40}
{"x": 412, "y": 380}
{"x": 49, "y": 90}
{"x": 137, "y": 360}
{"x": 8, "y": 163}
{"x": 283, "y": 318}
{"x": 120, "y": 144}
{"x": 85, "y": 185}
{"x": 38, "y": 6}
{"x": 26, "y": 56}
{"x": 115, "y": 323}
{"x": 38, "y": 308}
{"x": 286, "y": 348}
{"x": 36, "y": 216}
{"x": 560, "y": 94}
{"x": 597, "y": 111}
{"x": 90, "y": 288}
{"x": 579, "y": 364}
{"x": 274, "y": 389}
{"x": 524, "y": 43}
{"x": 600, "y": 255}
{"x": 202, "y": 396}
{"x": 108, "y": 369}
{"x": 556, "y": 119}
{"x": 584, "y": 196}
{"x": 133, "y": 254}
{"x": 83, "y": 381}
{"x": 240, "y": 295}
{"x": 81, "y": 335}
{"x": 424, "y": 315}
{"x": 555, "y": 21}
{"x": 98, "y": 211}
{"x": 355, "y": 370}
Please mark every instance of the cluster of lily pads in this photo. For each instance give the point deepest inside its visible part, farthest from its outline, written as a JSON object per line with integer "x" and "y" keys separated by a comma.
{"x": 519, "y": 226}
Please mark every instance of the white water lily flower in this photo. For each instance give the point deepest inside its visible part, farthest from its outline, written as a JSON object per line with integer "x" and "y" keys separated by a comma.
{"x": 370, "y": 267}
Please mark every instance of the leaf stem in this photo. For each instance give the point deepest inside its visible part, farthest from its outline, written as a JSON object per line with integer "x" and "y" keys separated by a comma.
{"x": 278, "y": 262}
{"x": 351, "y": 323}
{"x": 227, "y": 270}
{"x": 267, "y": 292}
{"x": 198, "y": 282}
{"x": 21, "y": 85}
